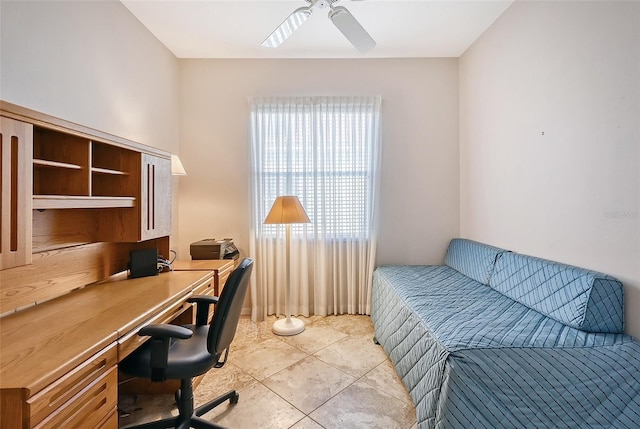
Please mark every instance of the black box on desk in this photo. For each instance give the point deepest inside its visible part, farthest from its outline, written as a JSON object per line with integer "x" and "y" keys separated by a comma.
{"x": 143, "y": 263}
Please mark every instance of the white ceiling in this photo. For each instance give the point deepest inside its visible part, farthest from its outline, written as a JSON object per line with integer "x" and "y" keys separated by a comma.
{"x": 236, "y": 28}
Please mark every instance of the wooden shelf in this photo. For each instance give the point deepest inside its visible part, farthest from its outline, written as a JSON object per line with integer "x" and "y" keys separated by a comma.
{"x": 108, "y": 171}
{"x": 41, "y": 202}
{"x": 56, "y": 164}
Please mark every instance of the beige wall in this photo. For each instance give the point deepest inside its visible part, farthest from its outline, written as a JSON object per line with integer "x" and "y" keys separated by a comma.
{"x": 568, "y": 69}
{"x": 550, "y": 137}
{"x": 93, "y": 63}
{"x": 419, "y": 190}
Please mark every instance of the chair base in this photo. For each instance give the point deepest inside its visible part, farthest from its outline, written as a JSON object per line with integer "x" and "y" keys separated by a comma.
{"x": 189, "y": 417}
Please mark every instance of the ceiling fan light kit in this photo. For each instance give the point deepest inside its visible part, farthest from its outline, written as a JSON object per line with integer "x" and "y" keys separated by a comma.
{"x": 340, "y": 16}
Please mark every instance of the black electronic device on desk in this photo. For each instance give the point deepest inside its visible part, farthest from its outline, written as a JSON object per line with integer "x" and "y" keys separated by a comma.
{"x": 143, "y": 262}
{"x": 210, "y": 248}
{"x": 147, "y": 262}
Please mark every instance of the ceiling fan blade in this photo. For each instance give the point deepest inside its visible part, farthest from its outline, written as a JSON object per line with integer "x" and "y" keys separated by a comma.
{"x": 288, "y": 26}
{"x": 351, "y": 29}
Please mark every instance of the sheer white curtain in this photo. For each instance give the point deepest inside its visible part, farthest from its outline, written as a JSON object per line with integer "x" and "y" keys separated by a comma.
{"x": 324, "y": 150}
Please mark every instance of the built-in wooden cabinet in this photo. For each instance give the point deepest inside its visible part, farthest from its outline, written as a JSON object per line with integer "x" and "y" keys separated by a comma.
{"x": 155, "y": 204}
{"x": 115, "y": 171}
{"x": 72, "y": 172}
{"x": 16, "y": 183}
{"x": 151, "y": 217}
{"x": 50, "y": 164}
{"x": 75, "y": 203}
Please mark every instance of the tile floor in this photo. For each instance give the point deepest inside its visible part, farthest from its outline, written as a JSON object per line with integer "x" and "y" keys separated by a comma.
{"x": 330, "y": 376}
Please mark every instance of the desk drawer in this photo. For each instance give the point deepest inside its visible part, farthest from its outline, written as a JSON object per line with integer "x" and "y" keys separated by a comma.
{"x": 111, "y": 422}
{"x": 89, "y": 408}
{"x": 128, "y": 343}
{"x": 63, "y": 390}
{"x": 222, "y": 279}
{"x": 206, "y": 288}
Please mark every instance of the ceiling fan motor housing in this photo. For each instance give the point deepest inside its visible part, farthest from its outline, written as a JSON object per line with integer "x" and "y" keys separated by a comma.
{"x": 322, "y": 3}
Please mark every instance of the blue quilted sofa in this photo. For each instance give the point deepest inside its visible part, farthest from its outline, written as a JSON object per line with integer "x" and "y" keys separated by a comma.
{"x": 497, "y": 339}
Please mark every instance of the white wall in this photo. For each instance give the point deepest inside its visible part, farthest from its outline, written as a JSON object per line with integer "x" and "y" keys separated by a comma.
{"x": 93, "y": 63}
{"x": 550, "y": 137}
{"x": 419, "y": 195}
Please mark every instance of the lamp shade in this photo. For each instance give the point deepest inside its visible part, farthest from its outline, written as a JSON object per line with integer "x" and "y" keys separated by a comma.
{"x": 176, "y": 166}
{"x": 287, "y": 209}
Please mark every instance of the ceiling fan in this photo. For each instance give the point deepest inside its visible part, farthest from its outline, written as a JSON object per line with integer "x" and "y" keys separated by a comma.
{"x": 339, "y": 16}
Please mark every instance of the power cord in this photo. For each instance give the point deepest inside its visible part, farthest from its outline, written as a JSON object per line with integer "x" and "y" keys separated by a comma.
{"x": 165, "y": 263}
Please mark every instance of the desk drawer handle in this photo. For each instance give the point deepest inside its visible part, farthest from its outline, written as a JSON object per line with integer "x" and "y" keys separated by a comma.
{"x": 56, "y": 394}
{"x": 92, "y": 373}
{"x": 90, "y": 406}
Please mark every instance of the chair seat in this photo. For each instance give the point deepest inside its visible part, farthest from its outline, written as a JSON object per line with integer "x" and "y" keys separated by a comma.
{"x": 187, "y": 358}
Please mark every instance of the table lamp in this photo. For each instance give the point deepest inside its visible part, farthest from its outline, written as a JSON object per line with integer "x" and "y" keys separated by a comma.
{"x": 176, "y": 166}
{"x": 287, "y": 210}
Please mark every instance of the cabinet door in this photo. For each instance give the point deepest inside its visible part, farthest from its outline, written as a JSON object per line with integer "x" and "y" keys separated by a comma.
{"x": 155, "y": 201}
{"x": 16, "y": 181}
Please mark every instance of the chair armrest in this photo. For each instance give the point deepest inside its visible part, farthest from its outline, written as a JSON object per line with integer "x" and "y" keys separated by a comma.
{"x": 163, "y": 331}
{"x": 202, "y": 307}
{"x": 203, "y": 298}
{"x": 159, "y": 345}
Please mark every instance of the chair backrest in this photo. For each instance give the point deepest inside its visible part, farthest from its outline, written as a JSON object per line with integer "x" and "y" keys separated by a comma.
{"x": 227, "y": 314}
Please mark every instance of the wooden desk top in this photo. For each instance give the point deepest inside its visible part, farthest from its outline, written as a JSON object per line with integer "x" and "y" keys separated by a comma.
{"x": 42, "y": 343}
{"x": 203, "y": 264}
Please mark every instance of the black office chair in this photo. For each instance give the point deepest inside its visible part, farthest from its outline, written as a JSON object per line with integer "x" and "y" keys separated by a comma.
{"x": 177, "y": 352}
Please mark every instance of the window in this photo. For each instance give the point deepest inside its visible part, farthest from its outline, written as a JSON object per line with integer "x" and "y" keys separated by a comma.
{"x": 324, "y": 150}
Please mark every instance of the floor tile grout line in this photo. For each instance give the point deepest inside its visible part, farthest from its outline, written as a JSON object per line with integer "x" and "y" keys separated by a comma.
{"x": 355, "y": 380}
{"x": 308, "y": 415}
{"x": 253, "y": 334}
{"x": 295, "y": 363}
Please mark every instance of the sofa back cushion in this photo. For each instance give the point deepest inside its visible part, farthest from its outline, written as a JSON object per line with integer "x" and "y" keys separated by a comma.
{"x": 473, "y": 259}
{"x": 583, "y": 299}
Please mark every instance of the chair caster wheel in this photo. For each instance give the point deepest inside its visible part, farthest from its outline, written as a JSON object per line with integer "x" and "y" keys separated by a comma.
{"x": 234, "y": 398}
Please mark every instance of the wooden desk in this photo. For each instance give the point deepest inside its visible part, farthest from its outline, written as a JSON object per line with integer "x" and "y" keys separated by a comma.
{"x": 58, "y": 359}
{"x": 203, "y": 264}
{"x": 222, "y": 267}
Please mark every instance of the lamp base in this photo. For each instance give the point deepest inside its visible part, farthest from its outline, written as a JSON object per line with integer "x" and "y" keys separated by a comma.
{"x": 288, "y": 326}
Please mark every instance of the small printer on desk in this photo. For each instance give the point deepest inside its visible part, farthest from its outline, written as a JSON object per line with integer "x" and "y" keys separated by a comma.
{"x": 210, "y": 248}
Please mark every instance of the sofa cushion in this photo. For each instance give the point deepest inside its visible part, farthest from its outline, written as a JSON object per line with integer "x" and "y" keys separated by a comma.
{"x": 473, "y": 259}
{"x": 586, "y": 300}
